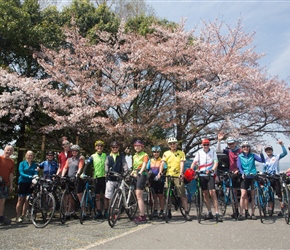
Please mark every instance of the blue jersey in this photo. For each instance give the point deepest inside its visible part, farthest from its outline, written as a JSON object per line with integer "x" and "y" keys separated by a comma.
{"x": 49, "y": 168}
{"x": 271, "y": 165}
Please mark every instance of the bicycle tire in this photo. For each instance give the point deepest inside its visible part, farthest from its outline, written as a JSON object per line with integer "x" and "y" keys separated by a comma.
{"x": 270, "y": 202}
{"x": 115, "y": 207}
{"x": 150, "y": 203}
{"x": 87, "y": 208}
{"x": 199, "y": 205}
{"x": 42, "y": 209}
{"x": 222, "y": 204}
{"x": 233, "y": 199}
{"x": 188, "y": 197}
{"x": 132, "y": 204}
{"x": 286, "y": 205}
{"x": 258, "y": 198}
{"x": 167, "y": 203}
{"x": 64, "y": 203}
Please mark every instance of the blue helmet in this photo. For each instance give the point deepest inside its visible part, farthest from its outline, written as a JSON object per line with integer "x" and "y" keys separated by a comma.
{"x": 156, "y": 148}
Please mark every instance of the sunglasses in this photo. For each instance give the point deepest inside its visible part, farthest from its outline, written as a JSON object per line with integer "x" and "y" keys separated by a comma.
{"x": 206, "y": 145}
{"x": 155, "y": 152}
{"x": 245, "y": 146}
{"x": 230, "y": 144}
{"x": 114, "y": 147}
{"x": 100, "y": 146}
{"x": 172, "y": 143}
{"x": 65, "y": 144}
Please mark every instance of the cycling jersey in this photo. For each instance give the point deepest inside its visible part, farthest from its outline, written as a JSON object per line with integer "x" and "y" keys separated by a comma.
{"x": 98, "y": 161}
{"x": 49, "y": 168}
{"x": 246, "y": 163}
{"x": 205, "y": 160}
{"x": 233, "y": 157}
{"x": 271, "y": 165}
{"x": 138, "y": 160}
{"x": 173, "y": 160}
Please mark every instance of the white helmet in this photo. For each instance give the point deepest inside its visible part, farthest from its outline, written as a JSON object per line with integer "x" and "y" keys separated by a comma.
{"x": 172, "y": 139}
{"x": 231, "y": 140}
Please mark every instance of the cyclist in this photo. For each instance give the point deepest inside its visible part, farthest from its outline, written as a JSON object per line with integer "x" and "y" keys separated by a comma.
{"x": 271, "y": 167}
{"x": 175, "y": 158}
{"x": 207, "y": 162}
{"x": 247, "y": 168}
{"x": 49, "y": 166}
{"x": 98, "y": 160}
{"x": 140, "y": 160}
{"x": 232, "y": 151}
{"x": 27, "y": 169}
{"x": 116, "y": 162}
{"x": 153, "y": 166}
{"x": 6, "y": 182}
{"x": 63, "y": 156}
{"x": 73, "y": 167}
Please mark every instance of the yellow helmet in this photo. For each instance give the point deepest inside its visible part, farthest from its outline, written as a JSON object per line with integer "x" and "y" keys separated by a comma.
{"x": 99, "y": 143}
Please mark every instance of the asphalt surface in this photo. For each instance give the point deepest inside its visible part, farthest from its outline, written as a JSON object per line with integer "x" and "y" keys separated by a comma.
{"x": 156, "y": 234}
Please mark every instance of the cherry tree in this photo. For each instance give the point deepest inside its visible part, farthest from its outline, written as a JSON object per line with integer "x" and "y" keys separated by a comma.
{"x": 171, "y": 80}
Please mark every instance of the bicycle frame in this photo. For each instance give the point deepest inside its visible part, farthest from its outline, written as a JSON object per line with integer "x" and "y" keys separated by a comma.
{"x": 285, "y": 186}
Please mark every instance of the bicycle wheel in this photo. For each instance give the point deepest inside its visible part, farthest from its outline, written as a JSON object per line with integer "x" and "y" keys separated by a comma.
{"x": 222, "y": 204}
{"x": 42, "y": 210}
{"x": 64, "y": 203}
{"x": 150, "y": 202}
{"x": 199, "y": 204}
{"x": 233, "y": 199}
{"x": 132, "y": 204}
{"x": 115, "y": 207}
{"x": 270, "y": 203}
{"x": 259, "y": 201}
{"x": 167, "y": 206}
{"x": 86, "y": 209}
{"x": 189, "y": 200}
{"x": 286, "y": 205}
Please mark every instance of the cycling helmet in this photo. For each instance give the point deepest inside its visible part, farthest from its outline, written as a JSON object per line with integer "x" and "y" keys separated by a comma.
{"x": 231, "y": 140}
{"x": 205, "y": 141}
{"x": 99, "y": 143}
{"x": 156, "y": 148}
{"x": 114, "y": 144}
{"x": 75, "y": 148}
{"x": 138, "y": 143}
{"x": 245, "y": 143}
{"x": 172, "y": 140}
{"x": 188, "y": 175}
{"x": 50, "y": 153}
{"x": 268, "y": 147}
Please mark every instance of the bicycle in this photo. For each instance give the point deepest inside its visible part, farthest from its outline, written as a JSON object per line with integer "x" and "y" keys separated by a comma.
{"x": 68, "y": 193}
{"x": 43, "y": 203}
{"x": 87, "y": 204}
{"x": 124, "y": 198}
{"x": 285, "y": 185}
{"x": 261, "y": 197}
{"x": 171, "y": 197}
{"x": 268, "y": 192}
{"x": 226, "y": 194}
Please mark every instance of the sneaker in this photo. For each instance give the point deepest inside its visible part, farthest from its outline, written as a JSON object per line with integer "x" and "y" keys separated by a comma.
{"x": 241, "y": 217}
{"x": 218, "y": 218}
{"x": 18, "y": 220}
{"x": 140, "y": 219}
{"x": 247, "y": 216}
{"x": 280, "y": 214}
{"x": 25, "y": 218}
{"x": 169, "y": 215}
{"x": 161, "y": 215}
{"x": 209, "y": 216}
{"x": 253, "y": 217}
{"x": 5, "y": 221}
{"x": 155, "y": 213}
{"x": 74, "y": 215}
{"x": 98, "y": 216}
{"x": 187, "y": 217}
{"x": 106, "y": 215}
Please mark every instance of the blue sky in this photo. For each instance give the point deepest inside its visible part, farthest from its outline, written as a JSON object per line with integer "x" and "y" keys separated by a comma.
{"x": 270, "y": 20}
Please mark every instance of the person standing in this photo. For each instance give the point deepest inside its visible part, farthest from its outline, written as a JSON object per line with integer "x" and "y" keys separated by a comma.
{"x": 140, "y": 160}
{"x": 116, "y": 162}
{"x": 98, "y": 160}
{"x": 271, "y": 167}
{"x": 174, "y": 159}
{"x": 232, "y": 151}
{"x": 27, "y": 169}
{"x": 49, "y": 166}
{"x": 153, "y": 166}
{"x": 6, "y": 180}
{"x": 247, "y": 168}
{"x": 207, "y": 162}
{"x": 63, "y": 156}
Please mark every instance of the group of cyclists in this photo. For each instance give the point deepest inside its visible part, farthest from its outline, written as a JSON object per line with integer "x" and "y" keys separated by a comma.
{"x": 145, "y": 169}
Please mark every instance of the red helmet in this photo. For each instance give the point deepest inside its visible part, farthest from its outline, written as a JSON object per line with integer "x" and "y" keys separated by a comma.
{"x": 189, "y": 175}
{"x": 205, "y": 141}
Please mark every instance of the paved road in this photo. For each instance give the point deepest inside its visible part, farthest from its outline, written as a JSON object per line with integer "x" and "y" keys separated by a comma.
{"x": 273, "y": 234}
